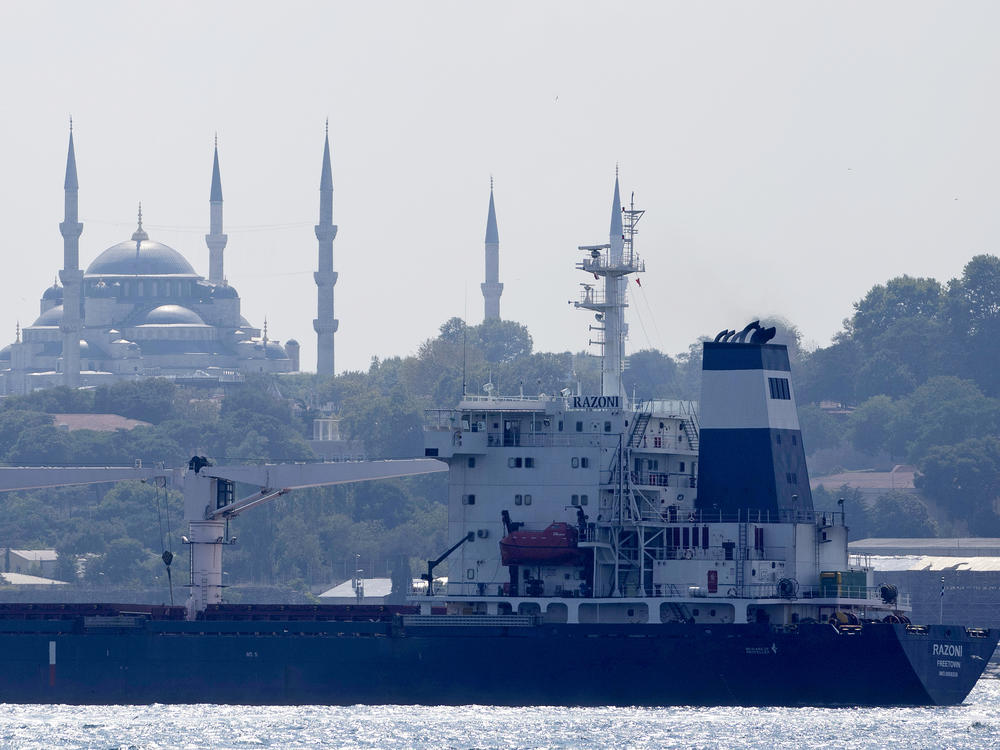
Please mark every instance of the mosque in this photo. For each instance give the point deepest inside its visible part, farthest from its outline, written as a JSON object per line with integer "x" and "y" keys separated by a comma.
{"x": 141, "y": 310}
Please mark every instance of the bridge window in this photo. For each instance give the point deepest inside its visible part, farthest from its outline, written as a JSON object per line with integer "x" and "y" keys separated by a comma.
{"x": 779, "y": 388}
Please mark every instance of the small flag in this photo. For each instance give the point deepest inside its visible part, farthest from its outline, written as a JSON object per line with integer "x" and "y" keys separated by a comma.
{"x": 596, "y": 276}
{"x": 638, "y": 281}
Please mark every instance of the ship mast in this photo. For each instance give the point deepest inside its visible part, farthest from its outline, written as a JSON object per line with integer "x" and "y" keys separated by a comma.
{"x": 613, "y": 262}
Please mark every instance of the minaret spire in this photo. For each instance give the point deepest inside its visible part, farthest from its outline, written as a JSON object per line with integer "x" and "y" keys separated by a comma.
{"x": 325, "y": 324}
{"x": 71, "y": 275}
{"x": 491, "y": 286}
{"x": 215, "y": 239}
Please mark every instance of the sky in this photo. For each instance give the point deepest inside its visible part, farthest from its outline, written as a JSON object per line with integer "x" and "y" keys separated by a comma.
{"x": 789, "y": 155}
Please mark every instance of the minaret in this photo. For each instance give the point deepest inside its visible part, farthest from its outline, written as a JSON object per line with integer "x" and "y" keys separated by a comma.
{"x": 215, "y": 239}
{"x": 71, "y": 275}
{"x": 325, "y": 324}
{"x": 492, "y": 288}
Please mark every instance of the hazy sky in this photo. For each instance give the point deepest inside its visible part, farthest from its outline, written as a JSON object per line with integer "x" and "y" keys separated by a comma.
{"x": 789, "y": 154}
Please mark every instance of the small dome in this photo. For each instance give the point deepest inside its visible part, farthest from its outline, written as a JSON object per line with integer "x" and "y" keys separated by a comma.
{"x": 5, "y": 353}
{"x": 275, "y": 350}
{"x": 51, "y": 318}
{"x": 54, "y": 292}
{"x": 224, "y": 291}
{"x": 167, "y": 315}
{"x": 291, "y": 342}
{"x": 151, "y": 259}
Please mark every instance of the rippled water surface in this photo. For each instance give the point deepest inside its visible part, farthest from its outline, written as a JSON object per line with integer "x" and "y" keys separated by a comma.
{"x": 973, "y": 725}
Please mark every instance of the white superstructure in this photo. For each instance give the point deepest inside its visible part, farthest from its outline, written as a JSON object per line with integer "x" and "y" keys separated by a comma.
{"x": 586, "y": 507}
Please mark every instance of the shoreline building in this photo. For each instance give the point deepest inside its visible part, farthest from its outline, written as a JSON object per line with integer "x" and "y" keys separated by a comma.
{"x": 138, "y": 310}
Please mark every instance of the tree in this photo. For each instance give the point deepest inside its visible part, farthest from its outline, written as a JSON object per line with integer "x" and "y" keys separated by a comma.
{"x": 896, "y": 514}
{"x": 884, "y": 305}
{"x": 650, "y": 374}
{"x": 503, "y": 340}
{"x": 964, "y": 480}
{"x": 868, "y": 425}
{"x": 943, "y": 411}
{"x": 974, "y": 308}
{"x": 819, "y": 429}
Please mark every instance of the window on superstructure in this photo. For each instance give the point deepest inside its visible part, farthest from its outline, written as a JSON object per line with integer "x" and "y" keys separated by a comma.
{"x": 468, "y": 499}
{"x": 575, "y": 500}
{"x": 574, "y": 462}
{"x": 514, "y": 462}
{"x": 579, "y": 426}
{"x": 607, "y": 426}
{"x": 682, "y": 467}
{"x": 584, "y": 499}
{"x": 584, "y": 462}
{"x": 560, "y": 425}
{"x": 527, "y": 499}
{"x": 529, "y": 462}
{"x": 779, "y": 388}
{"x": 472, "y": 462}
{"x": 518, "y": 499}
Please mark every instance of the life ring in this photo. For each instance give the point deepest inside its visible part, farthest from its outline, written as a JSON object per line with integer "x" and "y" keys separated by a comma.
{"x": 688, "y": 554}
{"x": 731, "y": 593}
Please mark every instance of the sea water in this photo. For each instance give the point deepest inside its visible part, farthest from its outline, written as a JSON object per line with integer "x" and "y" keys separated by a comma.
{"x": 975, "y": 724}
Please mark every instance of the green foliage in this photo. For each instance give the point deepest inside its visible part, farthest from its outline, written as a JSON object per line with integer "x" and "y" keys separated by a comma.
{"x": 650, "y": 374}
{"x": 868, "y": 425}
{"x": 964, "y": 480}
{"x": 819, "y": 429}
{"x": 892, "y": 514}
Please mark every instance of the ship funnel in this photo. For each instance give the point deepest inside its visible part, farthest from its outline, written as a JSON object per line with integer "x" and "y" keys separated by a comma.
{"x": 751, "y": 456}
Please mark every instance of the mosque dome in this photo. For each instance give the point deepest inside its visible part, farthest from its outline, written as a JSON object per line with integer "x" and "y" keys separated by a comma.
{"x": 167, "y": 315}
{"x": 54, "y": 292}
{"x": 51, "y": 318}
{"x": 151, "y": 259}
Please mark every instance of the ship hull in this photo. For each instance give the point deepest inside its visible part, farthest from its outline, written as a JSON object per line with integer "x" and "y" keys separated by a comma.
{"x": 343, "y": 663}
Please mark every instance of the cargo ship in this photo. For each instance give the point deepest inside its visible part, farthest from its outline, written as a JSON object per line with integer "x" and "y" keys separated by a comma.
{"x": 606, "y": 551}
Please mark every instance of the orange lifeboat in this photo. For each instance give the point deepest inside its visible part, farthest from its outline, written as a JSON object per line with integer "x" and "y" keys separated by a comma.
{"x": 555, "y": 545}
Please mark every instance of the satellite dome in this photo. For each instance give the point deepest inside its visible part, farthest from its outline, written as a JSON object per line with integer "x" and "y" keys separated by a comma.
{"x": 168, "y": 315}
{"x": 54, "y": 292}
{"x": 51, "y": 318}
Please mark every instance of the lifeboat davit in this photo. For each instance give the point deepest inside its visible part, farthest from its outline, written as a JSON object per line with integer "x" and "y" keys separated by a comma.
{"x": 555, "y": 545}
